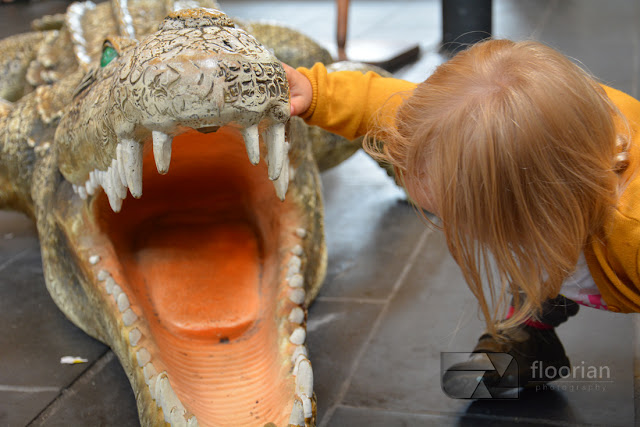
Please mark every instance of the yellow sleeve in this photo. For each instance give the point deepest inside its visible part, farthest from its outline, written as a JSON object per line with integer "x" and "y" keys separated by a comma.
{"x": 347, "y": 102}
{"x": 614, "y": 262}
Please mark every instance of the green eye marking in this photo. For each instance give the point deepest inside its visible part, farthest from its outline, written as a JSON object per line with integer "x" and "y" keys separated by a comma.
{"x": 108, "y": 55}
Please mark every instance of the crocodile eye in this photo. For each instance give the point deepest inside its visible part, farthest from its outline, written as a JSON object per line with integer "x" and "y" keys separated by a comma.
{"x": 108, "y": 55}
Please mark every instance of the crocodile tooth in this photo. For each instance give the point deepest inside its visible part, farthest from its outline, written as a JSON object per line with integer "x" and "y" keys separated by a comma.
{"x": 177, "y": 413}
{"x": 252, "y": 143}
{"x": 297, "y": 414}
{"x": 297, "y": 295}
{"x": 293, "y": 270}
{"x": 89, "y": 187}
{"x": 129, "y": 317}
{"x": 176, "y": 416}
{"x": 151, "y": 383}
{"x": 132, "y": 153}
{"x": 109, "y": 284}
{"x": 123, "y": 302}
{"x": 169, "y": 400}
{"x": 115, "y": 292}
{"x": 107, "y": 183}
{"x": 93, "y": 179}
{"x": 296, "y": 281}
{"x": 149, "y": 372}
{"x": 297, "y": 362}
{"x": 120, "y": 159}
{"x": 143, "y": 357}
{"x": 161, "y": 151}
{"x": 82, "y": 192}
{"x": 295, "y": 260}
{"x": 307, "y": 407}
{"x": 299, "y": 351}
{"x": 193, "y": 422}
{"x": 116, "y": 205}
{"x": 134, "y": 337}
{"x": 162, "y": 376}
{"x": 304, "y": 378}
{"x": 274, "y": 136}
{"x": 282, "y": 183}
{"x": 296, "y": 315}
{"x": 298, "y": 336}
{"x": 120, "y": 189}
{"x": 114, "y": 182}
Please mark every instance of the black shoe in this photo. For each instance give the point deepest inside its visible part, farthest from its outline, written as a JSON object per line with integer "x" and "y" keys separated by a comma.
{"x": 527, "y": 357}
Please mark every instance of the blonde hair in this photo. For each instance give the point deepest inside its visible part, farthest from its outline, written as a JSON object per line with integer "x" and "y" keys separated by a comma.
{"x": 515, "y": 148}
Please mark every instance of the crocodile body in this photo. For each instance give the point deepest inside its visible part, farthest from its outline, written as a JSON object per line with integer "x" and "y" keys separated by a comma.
{"x": 178, "y": 207}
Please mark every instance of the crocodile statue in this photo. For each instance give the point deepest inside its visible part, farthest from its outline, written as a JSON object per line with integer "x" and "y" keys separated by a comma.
{"x": 201, "y": 284}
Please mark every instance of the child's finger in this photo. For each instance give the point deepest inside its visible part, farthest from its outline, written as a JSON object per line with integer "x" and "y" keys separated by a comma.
{"x": 299, "y": 89}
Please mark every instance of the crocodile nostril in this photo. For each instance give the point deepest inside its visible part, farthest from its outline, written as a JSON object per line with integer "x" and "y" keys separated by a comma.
{"x": 195, "y": 18}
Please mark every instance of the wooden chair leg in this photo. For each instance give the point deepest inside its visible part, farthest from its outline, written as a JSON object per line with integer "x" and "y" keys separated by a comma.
{"x": 386, "y": 54}
{"x": 342, "y": 24}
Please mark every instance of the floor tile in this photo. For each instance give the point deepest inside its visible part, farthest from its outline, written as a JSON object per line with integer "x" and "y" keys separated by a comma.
{"x": 431, "y": 313}
{"x": 371, "y": 233}
{"x": 17, "y": 19}
{"x": 349, "y": 416}
{"x": 19, "y": 407}
{"x": 17, "y": 235}
{"x": 370, "y": 228}
{"x": 36, "y": 333}
{"x": 100, "y": 395}
{"x": 35, "y": 336}
{"x": 336, "y": 333}
{"x": 604, "y": 37}
{"x": 401, "y": 371}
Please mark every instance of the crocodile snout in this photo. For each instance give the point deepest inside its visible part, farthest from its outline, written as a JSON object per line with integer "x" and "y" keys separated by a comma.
{"x": 195, "y": 18}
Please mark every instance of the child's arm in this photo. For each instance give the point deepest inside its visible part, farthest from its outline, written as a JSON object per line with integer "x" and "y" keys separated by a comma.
{"x": 344, "y": 102}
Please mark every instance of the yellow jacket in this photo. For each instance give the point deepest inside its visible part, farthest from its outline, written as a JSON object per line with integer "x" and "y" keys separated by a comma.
{"x": 347, "y": 103}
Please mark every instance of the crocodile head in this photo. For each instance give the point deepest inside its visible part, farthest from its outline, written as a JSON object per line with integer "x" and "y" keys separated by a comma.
{"x": 180, "y": 218}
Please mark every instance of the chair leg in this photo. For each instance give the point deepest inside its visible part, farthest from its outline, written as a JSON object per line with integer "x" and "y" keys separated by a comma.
{"x": 386, "y": 54}
{"x": 343, "y": 19}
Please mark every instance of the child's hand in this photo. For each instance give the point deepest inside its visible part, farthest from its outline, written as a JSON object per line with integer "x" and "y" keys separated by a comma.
{"x": 300, "y": 89}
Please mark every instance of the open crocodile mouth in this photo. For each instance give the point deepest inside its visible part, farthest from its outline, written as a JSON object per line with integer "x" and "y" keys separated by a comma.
{"x": 201, "y": 278}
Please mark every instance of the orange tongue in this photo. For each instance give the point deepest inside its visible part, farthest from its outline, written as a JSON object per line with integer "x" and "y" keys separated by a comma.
{"x": 202, "y": 279}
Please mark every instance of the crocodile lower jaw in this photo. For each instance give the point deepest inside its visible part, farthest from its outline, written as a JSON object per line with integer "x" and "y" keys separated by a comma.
{"x": 202, "y": 280}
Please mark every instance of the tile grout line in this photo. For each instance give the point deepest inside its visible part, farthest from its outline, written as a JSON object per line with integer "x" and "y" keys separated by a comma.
{"x": 28, "y": 389}
{"x": 64, "y": 392}
{"x": 14, "y": 258}
{"x": 479, "y": 416}
{"x": 376, "y": 325}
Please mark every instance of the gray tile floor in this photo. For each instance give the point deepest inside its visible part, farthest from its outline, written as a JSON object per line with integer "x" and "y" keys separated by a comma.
{"x": 393, "y": 299}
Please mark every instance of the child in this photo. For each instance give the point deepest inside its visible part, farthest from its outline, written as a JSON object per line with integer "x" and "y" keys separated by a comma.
{"x": 530, "y": 166}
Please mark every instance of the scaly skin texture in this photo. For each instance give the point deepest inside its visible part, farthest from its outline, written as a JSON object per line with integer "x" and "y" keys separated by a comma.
{"x": 182, "y": 94}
